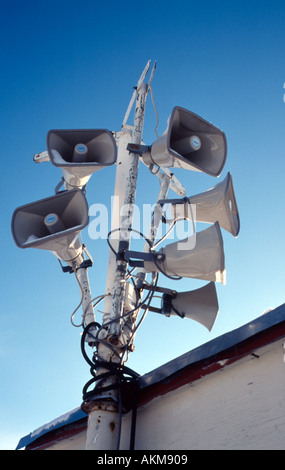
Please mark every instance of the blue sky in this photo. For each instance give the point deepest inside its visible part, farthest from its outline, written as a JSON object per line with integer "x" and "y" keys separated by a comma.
{"x": 73, "y": 65}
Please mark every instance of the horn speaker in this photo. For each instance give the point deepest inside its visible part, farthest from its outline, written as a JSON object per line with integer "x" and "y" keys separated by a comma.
{"x": 204, "y": 260}
{"x": 53, "y": 224}
{"x": 80, "y": 153}
{"x": 216, "y": 204}
{"x": 191, "y": 143}
{"x": 200, "y": 305}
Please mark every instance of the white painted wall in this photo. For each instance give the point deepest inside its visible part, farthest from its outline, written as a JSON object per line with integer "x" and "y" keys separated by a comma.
{"x": 239, "y": 407}
{"x": 76, "y": 442}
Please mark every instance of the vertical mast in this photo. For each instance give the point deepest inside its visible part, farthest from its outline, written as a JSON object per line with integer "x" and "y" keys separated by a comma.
{"x": 103, "y": 411}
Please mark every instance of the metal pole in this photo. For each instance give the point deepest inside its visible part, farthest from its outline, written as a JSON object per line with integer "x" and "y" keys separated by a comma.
{"x": 87, "y": 307}
{"x": 127, "y": 218}
{"x": 103, "y": 411}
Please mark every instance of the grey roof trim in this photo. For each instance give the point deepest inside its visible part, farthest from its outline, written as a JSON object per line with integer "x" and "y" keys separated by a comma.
{"x": 215, "y": 346}
{"x": 64, "y": 420}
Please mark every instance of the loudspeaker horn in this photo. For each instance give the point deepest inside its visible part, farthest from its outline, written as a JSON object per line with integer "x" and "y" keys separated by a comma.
{"x": 200, "y": 256}
{"x": 191, "y": 143}
{"x": 200, "y": 305}
{"x": 79, "y": 153}
{"x": 53, "y": 224}
{"x": 216, "y": 204}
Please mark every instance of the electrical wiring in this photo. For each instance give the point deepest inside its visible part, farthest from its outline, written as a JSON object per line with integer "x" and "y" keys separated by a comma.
{"x": 99, "y": 327}
{"x": 118, "y": 368}
{"x": 146, "y": 304}
{"x": 123, "y": 375}
{"x": 100, "y": 297}
{"x": 174, "y": 278}
{"x": 129, "y": 230}
{"x": 72, "y": 316}
{"x": 121, "y": 317}
{"x": 166, "y": 235}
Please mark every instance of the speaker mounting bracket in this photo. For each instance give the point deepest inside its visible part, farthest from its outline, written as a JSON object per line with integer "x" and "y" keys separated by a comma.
{"x": 184, "y": 200}
{"x": 141, "y": 257}
{"x": 138, "y": 149}
{"x": 62, "y": 182}
{"x": 163, "y": 290}
{"x": 68, "y": 269}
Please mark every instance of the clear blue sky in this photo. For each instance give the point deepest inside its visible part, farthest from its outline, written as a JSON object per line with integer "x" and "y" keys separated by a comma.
{"x": 73, "y": 65}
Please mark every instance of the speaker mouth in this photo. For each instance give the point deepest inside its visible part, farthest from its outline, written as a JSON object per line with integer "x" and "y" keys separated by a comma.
{"x": 216, "y": 204}
{"x": 100, "y": 145}
{"x": 235, "y": 221}
{"x": 209, "y": 156}
{"x": 28, "y": 221}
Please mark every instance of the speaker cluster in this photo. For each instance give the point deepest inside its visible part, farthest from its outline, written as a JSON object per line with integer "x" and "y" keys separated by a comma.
{"x": 189, "y": 142}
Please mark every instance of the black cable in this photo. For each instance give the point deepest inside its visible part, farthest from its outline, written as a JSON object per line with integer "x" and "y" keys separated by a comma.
{"x": 129, "y": 230}
{"x": 124, "y": 374}
{"x": 134, "y": 415}
{"x": 113, "y": 368}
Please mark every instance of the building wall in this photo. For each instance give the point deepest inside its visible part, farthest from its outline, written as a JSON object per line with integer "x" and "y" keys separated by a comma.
{"x": 76, "y": 442}
{"x": 241, "y": 406}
